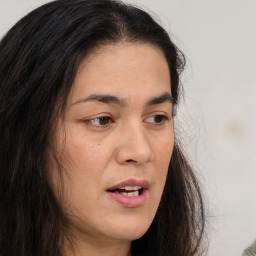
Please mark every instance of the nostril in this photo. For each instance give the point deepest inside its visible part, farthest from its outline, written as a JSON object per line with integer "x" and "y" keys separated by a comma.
{"x": 129, "y": 160}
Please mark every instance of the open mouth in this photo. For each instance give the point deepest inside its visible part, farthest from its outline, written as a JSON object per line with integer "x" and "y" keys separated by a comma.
{"x": 128, "y": 190}
{"x": 130, "y": 193}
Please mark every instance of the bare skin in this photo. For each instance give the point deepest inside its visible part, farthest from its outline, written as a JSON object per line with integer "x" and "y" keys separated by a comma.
{"x": 118, "y": 127}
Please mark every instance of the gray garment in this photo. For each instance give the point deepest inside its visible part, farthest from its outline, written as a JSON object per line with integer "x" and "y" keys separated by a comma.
{"x": 250, "y": 251}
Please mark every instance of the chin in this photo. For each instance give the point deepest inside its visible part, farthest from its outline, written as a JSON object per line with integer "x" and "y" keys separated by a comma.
{"x": 131, "y": 230}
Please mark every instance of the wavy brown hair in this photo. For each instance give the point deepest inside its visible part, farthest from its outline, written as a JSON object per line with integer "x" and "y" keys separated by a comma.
{"x": 39, "y": 58}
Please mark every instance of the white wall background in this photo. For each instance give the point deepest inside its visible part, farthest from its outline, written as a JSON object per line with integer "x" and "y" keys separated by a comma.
{"x": 218, "y": 118}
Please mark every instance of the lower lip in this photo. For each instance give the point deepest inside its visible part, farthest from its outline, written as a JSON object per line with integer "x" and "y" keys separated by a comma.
{"x": 130, "y": 201}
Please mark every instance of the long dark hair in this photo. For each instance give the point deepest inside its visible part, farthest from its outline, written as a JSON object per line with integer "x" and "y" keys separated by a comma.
{"x": 39, "y": 58}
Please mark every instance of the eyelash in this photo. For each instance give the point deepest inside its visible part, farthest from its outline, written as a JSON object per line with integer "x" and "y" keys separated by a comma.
{"x": 163, "y": 118}
{"x": 92, "y": 121}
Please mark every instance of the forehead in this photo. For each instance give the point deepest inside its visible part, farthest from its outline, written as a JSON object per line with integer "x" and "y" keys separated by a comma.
{"x": 122, "y": 68}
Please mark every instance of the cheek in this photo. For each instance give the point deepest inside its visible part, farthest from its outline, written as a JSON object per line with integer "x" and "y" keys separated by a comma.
{"x": 86, "y": 163}
{"x": 82, "y": 153}
{"x": 163, "y": 153}
{"x": 164, "y": 156}
{"x": 163, "y": 149}
{"x": 83, "y": 172}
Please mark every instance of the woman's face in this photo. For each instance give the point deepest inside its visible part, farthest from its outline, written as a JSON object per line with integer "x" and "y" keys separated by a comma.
{"x": 116, "y": 142}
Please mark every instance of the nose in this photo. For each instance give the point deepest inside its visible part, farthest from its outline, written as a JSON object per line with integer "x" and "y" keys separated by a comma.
{"x": 134, "y": 146}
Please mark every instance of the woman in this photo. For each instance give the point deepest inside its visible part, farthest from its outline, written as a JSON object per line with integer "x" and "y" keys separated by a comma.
{"x": 89, "y": 161}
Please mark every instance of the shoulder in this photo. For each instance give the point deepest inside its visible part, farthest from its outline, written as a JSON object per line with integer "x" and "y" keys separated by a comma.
{"x": 250, "y": 251}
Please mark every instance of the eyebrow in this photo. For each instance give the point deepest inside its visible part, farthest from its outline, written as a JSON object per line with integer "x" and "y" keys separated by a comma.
{"x": 165, "y": 97}
{"x": 104, "y": 98}
{"x": 110, "y": 99}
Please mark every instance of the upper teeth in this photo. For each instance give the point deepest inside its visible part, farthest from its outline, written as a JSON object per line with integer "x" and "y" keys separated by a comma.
{"x": 131, "y": 187}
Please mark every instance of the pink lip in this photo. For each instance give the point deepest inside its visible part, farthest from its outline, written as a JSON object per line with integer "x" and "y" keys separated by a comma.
{"x": 131, "y": 182}
{"x": 130, "y": 201}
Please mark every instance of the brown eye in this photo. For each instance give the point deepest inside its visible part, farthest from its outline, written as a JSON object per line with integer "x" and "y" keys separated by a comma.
{"x": 157, "y": 119}
{"x": 104, "y": 120}
{"x": 101, "y": 121}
